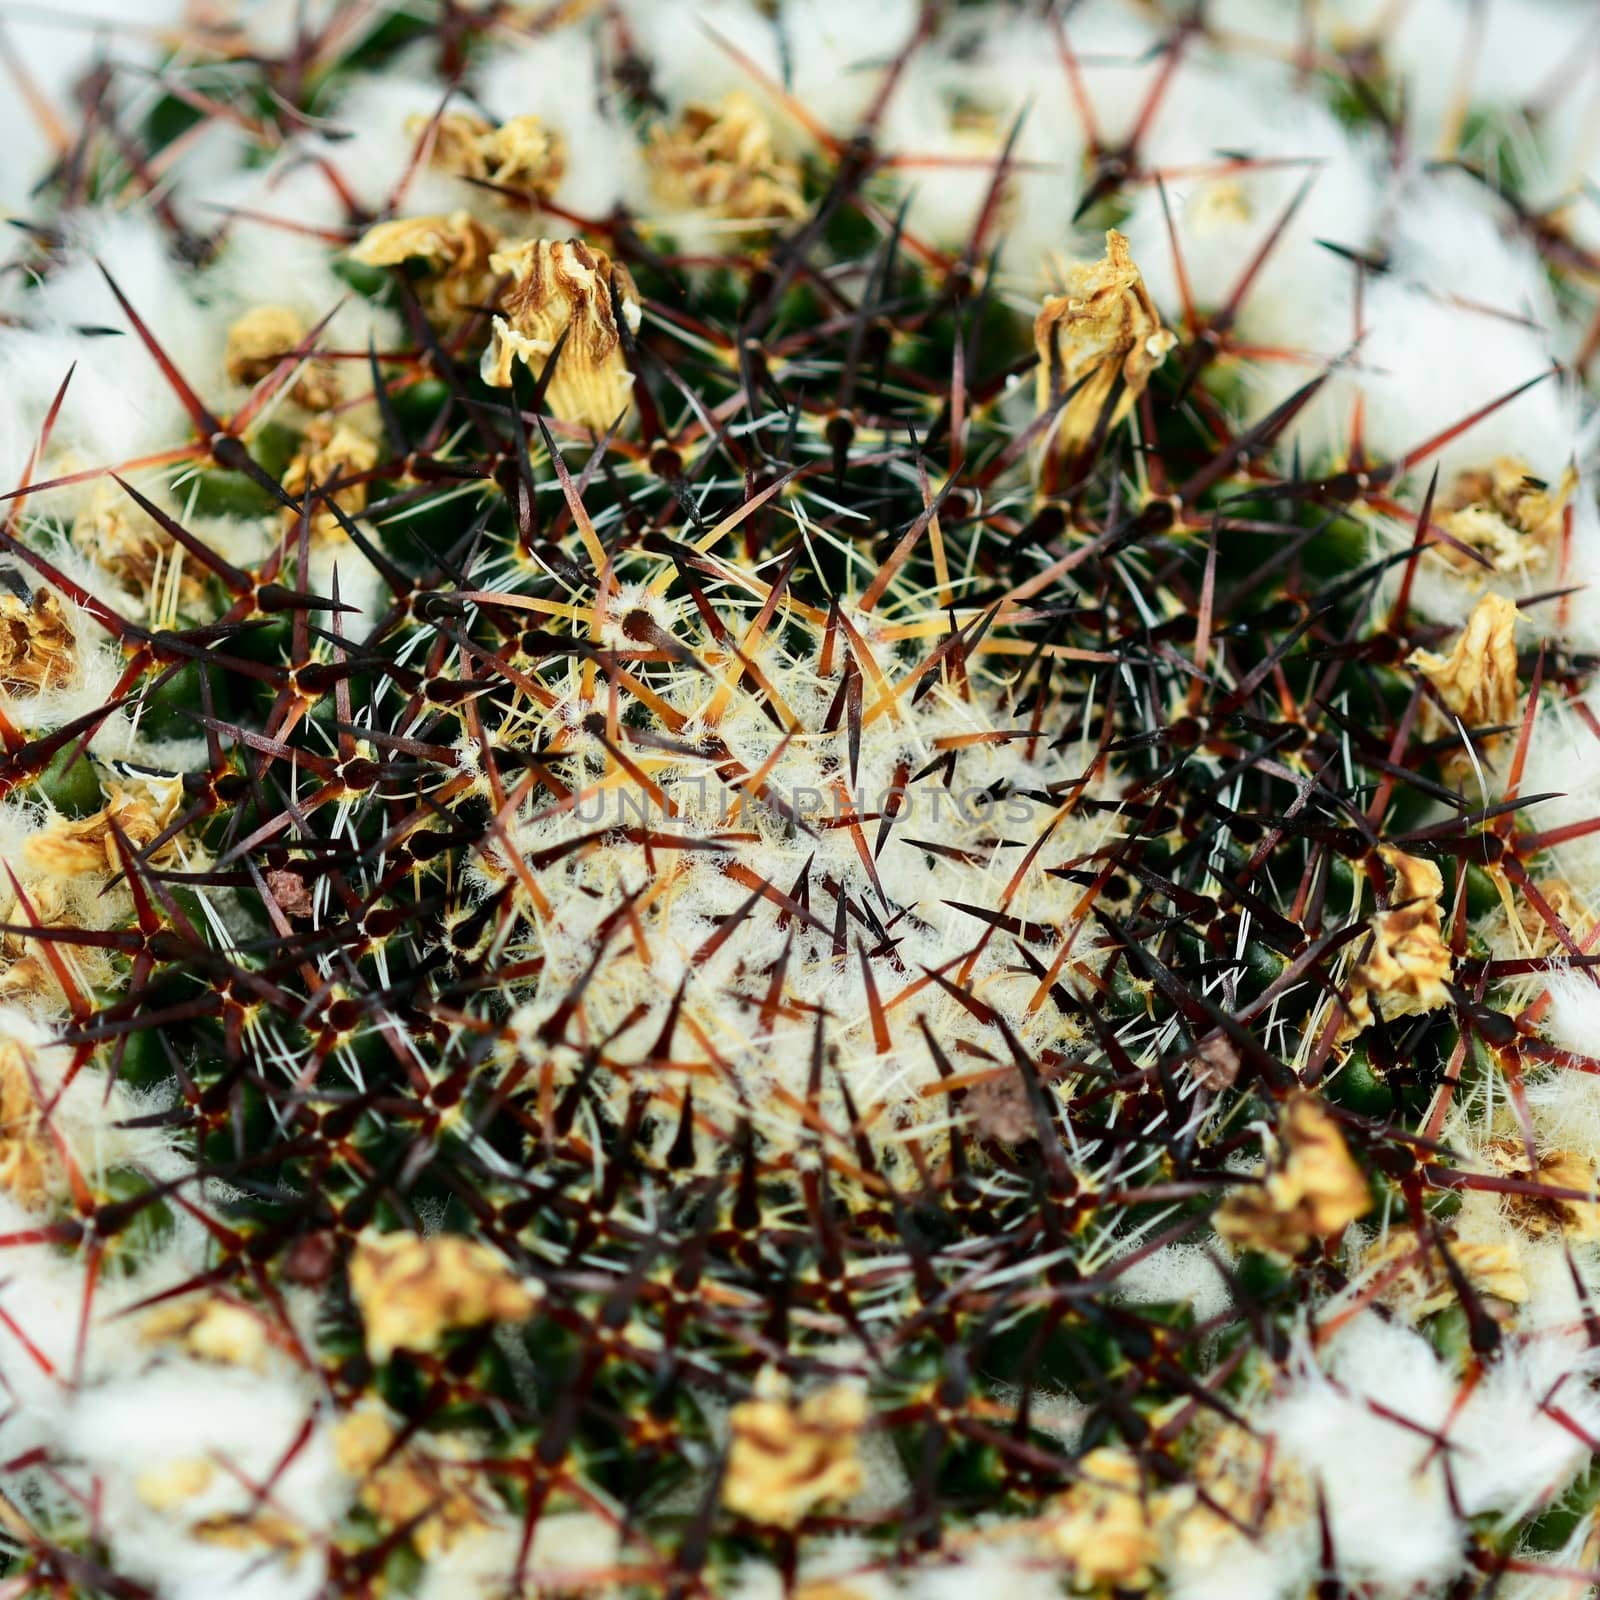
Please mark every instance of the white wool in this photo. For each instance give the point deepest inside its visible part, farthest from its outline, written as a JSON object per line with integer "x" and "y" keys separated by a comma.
{"x": 1460, "y": 319}
{"x": 566, "y": 1545}
{"x": 1510, "y": 1452}
{"x": 1013, "y": 1569}
{"x": 1563, "y": 762}
{"x": 687, "y": 63}
{"x": 945, "y": 129}
{"x": 839, "y": 51}
{"x": 58, "y": 45}
{"x": 131, "y": 1432}
{"x": 1505, "y": 54}
{"x": 267, "y": 260}
{"x": 1223, "y": 219}
{"x": 57, "y": 1331}
{"x": 1245, "y": 1569}
{"x": 1388, "y": 1511}
{"x": 1182, "y": 1274}
{"x": 375, "y": 131}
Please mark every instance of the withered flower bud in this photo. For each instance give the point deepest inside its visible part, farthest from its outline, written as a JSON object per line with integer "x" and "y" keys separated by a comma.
{"x": 1104, "y": 327}
{"x": 453, "y": 251}
{"x": 1541, "y": 1215}
{"x": 521, "y": 153}
{"x": 1421, "y": 1283}
{"x": 261, "y": 338}
{"x": 129, "y": 543}
{"x": 721, "y": 159}
{"x": 71, "y": 845}
{"x": 1506, "y": 515}
{"x": 786, "y": 1459}
{"x": 412, "y": 1291}
{"x": 30, "y": 1170}
{"x": 1478, "y": 679}
{"x": 557, "y": 285}
{"x": 406, "y": 1487}
{"x": 1103, "y": 1528}
{"x": 38, "y": 649}
{"x": 1406, "y": 968}
{"x": 1313, "y": 1188}
{"x": 330, "y": 453}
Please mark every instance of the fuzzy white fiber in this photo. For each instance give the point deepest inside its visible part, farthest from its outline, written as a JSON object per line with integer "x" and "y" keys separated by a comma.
{"x": 1418, "y": 293}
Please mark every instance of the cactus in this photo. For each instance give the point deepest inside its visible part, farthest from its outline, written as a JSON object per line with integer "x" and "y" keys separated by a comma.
{"x": 799, "y": 801}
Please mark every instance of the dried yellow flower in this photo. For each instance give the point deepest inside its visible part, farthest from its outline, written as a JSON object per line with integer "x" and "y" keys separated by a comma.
{"x": 407, "y": 1486}
{"x": 130, "y": 544}
{"x": 1312, "y": 1190}
{"x": 785, "y": 1459}
{"x": 142, "y": 809}
{"x": 1566, "y": 905}
{"x": 412, "y": 1291}
{"x": 454, "y": 254}
{"x": 161, "y": 1488}
{"x": 30, "y": 1171}
{"x": 1405, "y": 970}
{"x": 521, "y": 153}
{"x": 1538, "y": 1215}
{"x": 1102, "y": 1526}
{"x": 721, "y": 159}
{"x": 1105, "y": 327}
{"x": 1423, "y": 1285}
{"x": 560, "y": 285}
{"x": 25, "y": 973}
{"x": 1246, "y": 1486}
{"x": 212, "y": 1329}
{"x": 1478, "y": 679}
{"x": 330, "y": 453}
{"x": 38, "y": 649}
{"x": 261, "y": 338}
{"x": 1506, "y": 515}
{"x": 258, "y": 1530}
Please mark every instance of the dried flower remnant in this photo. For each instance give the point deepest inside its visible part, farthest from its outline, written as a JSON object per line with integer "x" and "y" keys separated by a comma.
{"x": 520, "y": 153}
{"x": 412, "y": 1291}
{"x": 1103, "y": 1527}
{"x": 1478, "y": 679}
{"x": 1422, "y": 1284}
{"x": 1407, "y": 967}
{"x": 173, "y": 1483}
{"x": 211, "y": 1330}
{"x": 405, "y": 1487}
{"x": 785, "y": 1459}
{"x": 258, "y": 1530}
{"x": 331, "y": 453}
{"x": 130, "y": 544}
{"x": 1540, "y": 1215}
{"x": 141, "y": 809}
{"x": 1102, "y": 330}
{"x": 452, "y": 254}
{"x": 720, "y": 159}
{"x": 1506, "y": 515}
{"x": 1240, "y": 1488}
{"x": 562, "y": 286}
{"x": 1565, "y": 905}
{"x": 38, "y": 649}
{"x": 261, "y": 339}
{"x": 30, "y": 1171}
{"x": 1313, "y": 1188}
